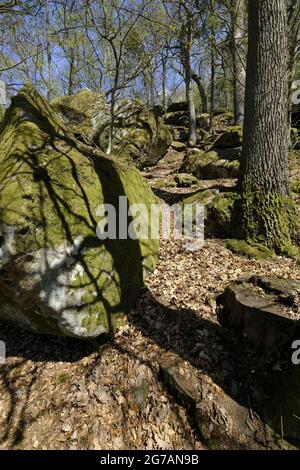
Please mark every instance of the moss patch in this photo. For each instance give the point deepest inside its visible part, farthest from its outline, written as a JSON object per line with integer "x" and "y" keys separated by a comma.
{"x": 256, "y": 251}
{"x": 232, "y": 137}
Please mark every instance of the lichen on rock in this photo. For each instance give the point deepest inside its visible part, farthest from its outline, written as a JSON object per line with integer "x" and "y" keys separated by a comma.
{"x": 57, "y": 276}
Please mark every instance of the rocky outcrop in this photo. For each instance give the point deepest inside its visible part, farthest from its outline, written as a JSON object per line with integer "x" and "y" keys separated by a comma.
{"x": 209, "y": 165}
{"x": 57, "y": 276}
{"x": 139, "y": 134}
{"x": 81, "y": 113}
{"x": 184, "y": 180}
{"x": 218, "y": 209}
{"x": 231, "y": 138}
{"x": 221, "y": 421}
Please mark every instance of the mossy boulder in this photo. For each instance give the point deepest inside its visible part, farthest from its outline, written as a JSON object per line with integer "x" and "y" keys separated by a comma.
{"x": 178, "y": 146}
{"x": 184, "y": 180}
{"x": 231, "y": 138}
{"x": 218, "y": 210}
{"x": 140, "y": 135}
{"x": 208, "y": 165}
{"x": 249, "y": 250}
{"x": 57, "y": 276}
{"x": 82, "y": 112}
{"x": 296, "y": 116}
{"x": 177, "y": 118}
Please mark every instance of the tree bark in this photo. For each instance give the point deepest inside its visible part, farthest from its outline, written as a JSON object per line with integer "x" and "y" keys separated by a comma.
{"x": 212, "y": 84}
{"x": 266, "y": 211}
{"x": 238, "y": 56}
{"x": 186, "y": 45}
{"x": 203, "y": 95}
{"x": 48, "y": 51}
{"x": 71, "y": 74}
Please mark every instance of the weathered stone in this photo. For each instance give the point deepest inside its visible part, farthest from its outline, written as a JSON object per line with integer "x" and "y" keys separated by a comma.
{"x": 177, "y": 118}
{"x": 208, "y": 165}
{"x": 139, "y": 135}
{"x": 82, "y": 112}
{"x": 258, "y": 314}
{"x": 254, "y": 250}
{"x": 178, "y": 146}
{"x": 218, "y": 210}
{"x": 222, "y": 423}
{"x": 184, "y": 180}
{"x": 231, "y": 138}
{"x": 56, "y": 275}
{"x": 177, "y": 106}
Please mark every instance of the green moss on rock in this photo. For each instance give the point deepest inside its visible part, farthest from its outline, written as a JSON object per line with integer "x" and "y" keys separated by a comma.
{"x": 139, "y": 134}
{"x": 257, "y": 251}
{"x": 218, "y": 209}
{"x": 81, "y": 112}
{"x": 232, "y": 137}
{"x": 57, "y": 276}
{"x": 208, "y": 165}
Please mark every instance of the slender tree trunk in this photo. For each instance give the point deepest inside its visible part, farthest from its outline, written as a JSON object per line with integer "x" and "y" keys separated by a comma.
{"x": 186, "y": 45}
{"x": 48, "y": 51}
{"x": 111, "y": 123}
{"x": 71, "y": 74}
{"x": 212, "y": 87}
{"x": 191, "y": 105}
{"x": 238, "y": 57}
{"x": 202, "y": 92}
{"x": 265, "y": 209}
{"x": 164, "y": 82}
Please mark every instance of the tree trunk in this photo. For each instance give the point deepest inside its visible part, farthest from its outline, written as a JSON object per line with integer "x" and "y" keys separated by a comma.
{"x": 191, "y": 106}
{"x": 71, "y": 74}
{"x": 203, "y": 95}
{"x": 212, "y": 87}
{"x": 164, "y": 82}
{"x": 265, "y": 208}
{"x": 238, "y": 56}
{"x": 186, "y": 45}
{"x": 48, "y": 51}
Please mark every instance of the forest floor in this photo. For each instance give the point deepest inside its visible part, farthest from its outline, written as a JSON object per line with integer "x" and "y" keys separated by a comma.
{"x": 58, "y": 393}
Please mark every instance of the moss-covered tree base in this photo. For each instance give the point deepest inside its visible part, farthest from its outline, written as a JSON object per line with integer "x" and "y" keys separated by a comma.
{"x": 268, "y": 219}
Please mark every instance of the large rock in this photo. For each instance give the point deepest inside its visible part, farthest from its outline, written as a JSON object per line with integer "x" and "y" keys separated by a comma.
{"x": 139, "y": 134}
{"x": 296, "y": 116}
{"x": 56, "y": 275}
{"x": 209, "y": 165}
{"x": 81, "y": 113}
{"x": 222, "y": 422}
{"x": 218, "y": 209}
{"x": 231, "y": 138}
